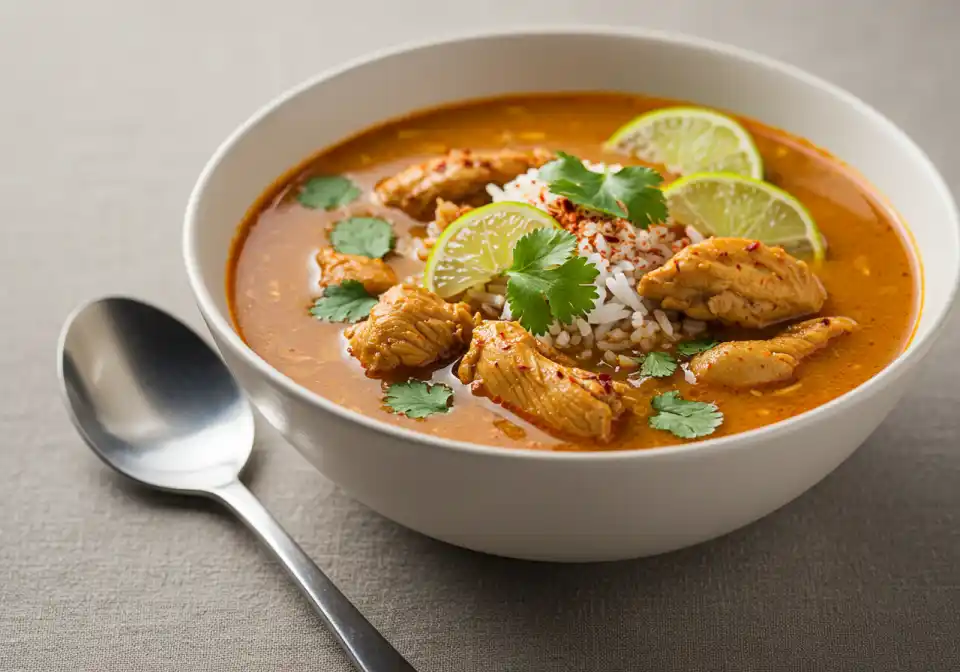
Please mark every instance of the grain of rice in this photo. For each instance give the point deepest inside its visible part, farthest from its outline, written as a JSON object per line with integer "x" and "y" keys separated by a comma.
{"x": 554, "y": 328}
{"x": 601, "y": 331}
{"x": 620, "y": 288}
{"x": 663, "y": 321}
{"x": 607, "y": 313}
{"x": 563, "y": 339}
{"x": 616, "y": 335}
{"x": 608, "y": 356}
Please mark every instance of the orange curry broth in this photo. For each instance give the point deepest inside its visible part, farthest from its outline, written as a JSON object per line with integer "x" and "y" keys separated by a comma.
{"x": 273, "y": 278}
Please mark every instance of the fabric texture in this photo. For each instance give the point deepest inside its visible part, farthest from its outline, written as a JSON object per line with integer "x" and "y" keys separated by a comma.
{"x": 109, "y": 110}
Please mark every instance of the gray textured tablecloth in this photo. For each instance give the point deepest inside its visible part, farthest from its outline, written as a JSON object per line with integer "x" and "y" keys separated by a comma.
{"x": 108, "y": 110}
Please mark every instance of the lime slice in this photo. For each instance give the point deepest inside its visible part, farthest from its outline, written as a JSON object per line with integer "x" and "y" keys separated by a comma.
{"x": 688, "y": 140}
{"x": 478, "y": 246}
{"x": 725, "y": 204}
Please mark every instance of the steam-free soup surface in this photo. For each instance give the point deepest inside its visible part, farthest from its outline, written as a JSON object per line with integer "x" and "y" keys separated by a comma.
{"x": 868, "y": 272}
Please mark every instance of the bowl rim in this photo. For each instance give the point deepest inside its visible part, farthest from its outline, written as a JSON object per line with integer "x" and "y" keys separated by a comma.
{"x": 222, "y": 324}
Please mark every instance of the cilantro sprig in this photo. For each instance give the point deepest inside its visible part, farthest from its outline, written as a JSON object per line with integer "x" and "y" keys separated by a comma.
{"x": 367, "y": 236}
{"x": 417, "y": 399}
{"x": 658, "y": 364}
{"x": 630, "y": 193}
{"x": 326, "y": 192}
{"x": 686, "y": 419}
{"x": 346, "y": 302}
{"x": 546, "y": 282}
{"x": 691, "y": 348}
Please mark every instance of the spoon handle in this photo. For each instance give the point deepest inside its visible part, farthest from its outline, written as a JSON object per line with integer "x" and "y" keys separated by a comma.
{"x": 367, "y": 649}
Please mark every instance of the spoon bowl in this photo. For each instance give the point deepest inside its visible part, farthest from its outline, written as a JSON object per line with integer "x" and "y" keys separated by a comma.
{"x": 157, "y": 404}
{"x": 162, "y": 409}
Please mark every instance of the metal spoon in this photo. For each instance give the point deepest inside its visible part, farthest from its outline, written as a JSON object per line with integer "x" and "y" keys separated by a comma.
{"x": 158, "y": 405}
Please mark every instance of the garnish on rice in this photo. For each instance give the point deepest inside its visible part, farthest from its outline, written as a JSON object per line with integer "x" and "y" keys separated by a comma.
{"x": 629, "y": 193}
{"x": 547, "y": 283}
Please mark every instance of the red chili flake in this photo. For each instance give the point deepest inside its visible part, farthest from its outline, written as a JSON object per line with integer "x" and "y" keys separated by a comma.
{"x": 752, "y": 246}
{"x": 604, "y": 377}
{"x": 825, "y": 321}
{"x": 522, "y": 367}
{"x": 611, "y": 239}
{"x": 442, "y": 166}
{"x": 738, "y": 267}
{"x": 559, "y": 374}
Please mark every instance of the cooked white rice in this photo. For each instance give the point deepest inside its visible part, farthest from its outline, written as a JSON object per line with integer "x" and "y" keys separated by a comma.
{"x": 621, "y": 320}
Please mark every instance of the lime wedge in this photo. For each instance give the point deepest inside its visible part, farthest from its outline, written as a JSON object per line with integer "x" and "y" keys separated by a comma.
{"x": 478, "y": 246}
{"x": 688, "y": 140}
{"x": 725, "y": 204}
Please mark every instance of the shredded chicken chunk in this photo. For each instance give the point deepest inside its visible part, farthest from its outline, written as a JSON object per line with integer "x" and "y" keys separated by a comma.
{"x": 375, "y": 274}
{"x": 736, "y": 281}
{"x": 461, "y": 175}
{"x": 515, "y": 370}
{"x": 746, "y": 364}
{"x": 409, "y": 327}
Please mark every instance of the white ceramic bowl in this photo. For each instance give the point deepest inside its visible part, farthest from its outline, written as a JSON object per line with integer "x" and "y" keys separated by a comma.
{"x": 567, "y": 506}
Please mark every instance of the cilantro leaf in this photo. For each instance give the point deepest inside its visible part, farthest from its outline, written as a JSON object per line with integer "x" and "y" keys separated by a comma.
{"x": 417, "y": 399}
{"x": 545, "y": 283}
{"x": 630, "y": 193}
{"x": 691, "y": 348}
{"x": 367, "y": 236}
{"x": 658, "y": 365}
{"x": 327, "y": 192}
{"x": 686, "y": 419}
{"x": 346, "y": 302}
{"x": 527, "y": 296}
{"x": 542, "y": 248}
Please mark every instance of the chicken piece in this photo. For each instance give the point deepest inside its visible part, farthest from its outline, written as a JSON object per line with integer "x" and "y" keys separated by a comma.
{"x": 515, "y": 370}
{"x": 460, "y": 175}
{"x": 747, "y": 364}
{"x": 409, "y": 327}
{"x": 736, "y": 281}
{"x": 375, "y": 274}
{"x": 447, "y": 212}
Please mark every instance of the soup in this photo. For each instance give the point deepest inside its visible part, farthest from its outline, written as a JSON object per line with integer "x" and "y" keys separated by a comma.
{"x": 639, "y": 314}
